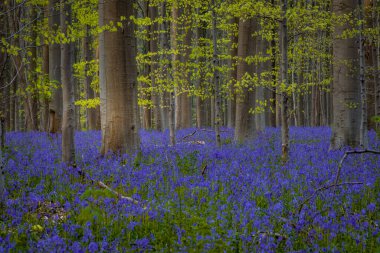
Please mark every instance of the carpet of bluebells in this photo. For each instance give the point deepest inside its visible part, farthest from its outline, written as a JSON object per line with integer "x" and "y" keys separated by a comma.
{"x": 192, "y": 197}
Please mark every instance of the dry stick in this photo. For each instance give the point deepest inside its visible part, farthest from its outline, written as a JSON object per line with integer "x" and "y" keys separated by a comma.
{"x": 335, "y": 184}
{"x": 324, "y": 188}
{"x": 350, "y": 153}
{"x": 187, "y": 136}
{"x": 204, "y": 170}
{"x": 106, "y": 187}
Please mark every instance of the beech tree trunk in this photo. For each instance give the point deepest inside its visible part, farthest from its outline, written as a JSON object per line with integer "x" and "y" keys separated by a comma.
{"x": 2, "y": 177}
{"x": 346, "y": 88}
{"x": 153, "y": 45}
{"x": 118, "y": 79}
{"x": 216, "y": 78}
{"x": 68, "y": 117}
{"x": 231, "y": 101}
{"x": 363, "y": 86}
{"x": 284, "y": 80}
{"x": 174, "y": 119}
{"x": 55, "y": 107}
{"x": 242, "y": 121}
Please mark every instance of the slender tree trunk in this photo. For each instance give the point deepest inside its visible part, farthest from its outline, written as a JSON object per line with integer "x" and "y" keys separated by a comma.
{"x": 55, "y": 106}
{"x": 174, "y": 111}
{"x": 153, "y": 45}
{"x": 2, "y": 177}
{"x": 216, "y": 78}
{"x": 87, "y": 55}
{"x": 68, "y": 117}
{"x": 231, "y": 101}
{"x": 363, "y": 87}
{"x": 285, "y": 80}
{"x": 377, "y": 64}
{"x": 118, "y": 79}
{"x": 185, "y": 99}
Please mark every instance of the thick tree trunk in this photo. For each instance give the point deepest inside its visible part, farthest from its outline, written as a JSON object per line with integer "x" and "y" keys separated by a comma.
{"x": 118, "y": 79}
{"x": 245, "y": 48}
{"x": 346, "y": 91}
{"x": 55, "y": 106}
{"x": 68, "y": 117}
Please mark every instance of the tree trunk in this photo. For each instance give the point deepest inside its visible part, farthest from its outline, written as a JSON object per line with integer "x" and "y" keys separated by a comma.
{"x": 55, "y": 106}
{"x": 284, "y": 80}
{"x": 363, "y": 87}
{"x": 242, "y": 122}
{"x": 68, "y": 117}
{"x": 346, "y": 91}
{"x": 174, "y": 119}
{"x": 118, "y": 79}
{"x": 216, "y": 78}
{"x": 231, "y": 101}
{"x": 153, "y": 46}
{"x": 2, "y": 177}
{"x": 87, "y": 55}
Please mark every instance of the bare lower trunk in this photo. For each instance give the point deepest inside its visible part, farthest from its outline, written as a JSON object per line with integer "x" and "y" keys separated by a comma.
{"x": 363, "y": 87}
{"x": 284, "y": 80}
{"x": 2, "y": 177}
{"x": 55, "y": 106}
{"x": 245, "y": 48}
{"x": 118, "y": 79}
{"x": 68, "y": 117}
{"x": 346, "y": 91}
{"x": 216, "y": 79}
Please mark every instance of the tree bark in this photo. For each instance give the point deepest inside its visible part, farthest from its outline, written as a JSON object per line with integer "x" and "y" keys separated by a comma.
{"x": 118, "y": 79}
{"x": 363, "y": 86}
{"x": 346, "y": 91}
{"x": 231, "y": 101}
{"x": 216, "y": 78}
{"x": 90, "y": 93}
{"x": 55, "y": 111}
{"x": 284, "y": 80}
{"x": 242, "y": 122}
{"x": 153, "y": 46}
{"x": 68, "y": 117}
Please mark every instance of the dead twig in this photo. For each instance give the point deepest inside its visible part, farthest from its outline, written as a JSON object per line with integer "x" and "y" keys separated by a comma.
{"x": 322, "y": 189}
{"x": 102, "y": 185}
{"x": 204, "y": 170}
{"x": 350, "y": 153}
{"x": 189, "y": 135}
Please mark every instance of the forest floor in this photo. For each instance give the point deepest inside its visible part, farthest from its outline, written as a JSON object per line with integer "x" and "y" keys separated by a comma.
{"x": 193, "y": 197}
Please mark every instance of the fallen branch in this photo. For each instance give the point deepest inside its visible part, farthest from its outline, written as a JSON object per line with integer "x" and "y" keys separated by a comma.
{"x": 204, "y": 170}
{"x": 350, "y": 153}
{"x": 189, "y": 135}
{"x": 322, "y": 189}
{"x": 102, "y": 185}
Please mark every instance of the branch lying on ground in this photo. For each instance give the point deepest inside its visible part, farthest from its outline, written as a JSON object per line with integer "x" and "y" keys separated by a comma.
{"x": 324, "y": 188}
{"x": 187, "y": 136}
{"x": 335, "y": 184}
{"x": 204, "y": 170}
{"x": 106, "y": 187}
{"x": 350, "y": 153}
